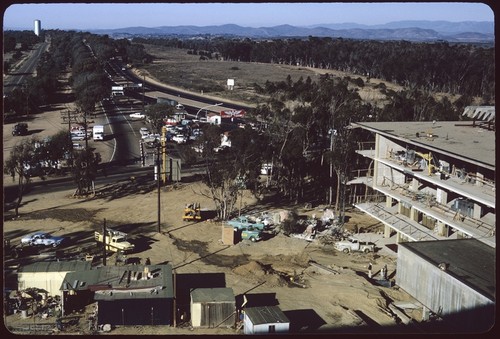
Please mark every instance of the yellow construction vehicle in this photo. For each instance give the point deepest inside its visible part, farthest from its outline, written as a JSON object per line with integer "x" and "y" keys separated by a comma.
{"x": 430, "y": 162}
{"x": 192, "y": 212}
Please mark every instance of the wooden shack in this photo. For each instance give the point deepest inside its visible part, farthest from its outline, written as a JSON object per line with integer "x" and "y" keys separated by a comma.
{"x": 213, "y": 307}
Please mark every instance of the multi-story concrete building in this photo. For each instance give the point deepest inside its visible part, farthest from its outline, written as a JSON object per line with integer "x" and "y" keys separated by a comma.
{"x": 430, "y": 180}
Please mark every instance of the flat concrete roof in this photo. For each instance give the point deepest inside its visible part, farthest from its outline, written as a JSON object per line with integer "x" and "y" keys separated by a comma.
{"x": 468, "y": 260}
{"x": 455, "y": 138}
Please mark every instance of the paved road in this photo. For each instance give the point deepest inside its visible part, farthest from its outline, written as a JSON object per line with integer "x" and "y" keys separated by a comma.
{"x": 26, "y": 69}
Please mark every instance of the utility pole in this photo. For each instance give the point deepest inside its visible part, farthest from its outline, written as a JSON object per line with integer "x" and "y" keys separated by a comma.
{"x": 163, "y": 141}
{"x": 104, "y": 243}
{"x": 330, "y": 195}
{"x": 158, "y": 181}
{"x": 143, "y": 95}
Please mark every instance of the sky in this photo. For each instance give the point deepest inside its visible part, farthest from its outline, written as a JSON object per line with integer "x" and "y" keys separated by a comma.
{"x": 88, "y": 16}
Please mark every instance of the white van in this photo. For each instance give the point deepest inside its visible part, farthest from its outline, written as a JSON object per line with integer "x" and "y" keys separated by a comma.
{"x": 98, "y": 132}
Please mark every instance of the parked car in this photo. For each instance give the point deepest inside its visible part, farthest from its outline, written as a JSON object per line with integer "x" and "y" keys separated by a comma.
{"x": 78, "y": 136}
{"x": 180, "y": 139}
{"x": 179, "y": 106}
{"x": 42, "y": 239}
{"x": 144, "y": 132}
{"x": 137, "y": 116}
{"x": 78, "y": 147}
{"x": 20, "y": 129}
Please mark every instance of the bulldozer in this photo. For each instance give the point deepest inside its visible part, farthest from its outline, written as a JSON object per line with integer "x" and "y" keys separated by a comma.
{"x": 192, "y": 212}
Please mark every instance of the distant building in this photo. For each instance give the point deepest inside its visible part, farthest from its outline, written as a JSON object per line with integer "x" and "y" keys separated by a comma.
{"x": 38, "y": 27}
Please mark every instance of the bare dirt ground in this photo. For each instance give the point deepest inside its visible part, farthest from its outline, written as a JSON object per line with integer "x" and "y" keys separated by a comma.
{"x": 170, "y": 66}
{"x": 342, "y": 301}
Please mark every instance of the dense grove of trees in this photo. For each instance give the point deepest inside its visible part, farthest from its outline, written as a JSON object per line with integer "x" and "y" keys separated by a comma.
{"x": 464, "y": 69}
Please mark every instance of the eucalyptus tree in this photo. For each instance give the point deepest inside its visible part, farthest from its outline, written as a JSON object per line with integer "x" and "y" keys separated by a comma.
{"x": 157, "y": 113}
{"x": 229, "y": 170}
{"x": 23, "y": 162}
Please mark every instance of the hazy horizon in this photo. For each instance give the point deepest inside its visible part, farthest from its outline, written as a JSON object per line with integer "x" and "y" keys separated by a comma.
{"x": 93, "y": 16}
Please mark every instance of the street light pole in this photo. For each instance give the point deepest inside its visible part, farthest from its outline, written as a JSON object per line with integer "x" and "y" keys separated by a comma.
{"x": 219, "y": 104}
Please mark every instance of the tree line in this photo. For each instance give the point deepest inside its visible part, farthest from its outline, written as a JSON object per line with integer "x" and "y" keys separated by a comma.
{"x": 463, "y": 69}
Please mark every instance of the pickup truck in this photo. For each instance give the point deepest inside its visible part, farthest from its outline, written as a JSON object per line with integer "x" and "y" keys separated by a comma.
{"x": 354, "y": 245}
{"x": 251, "y": 234}
{"x": 115, "y": 241}
{"x": 244, "y": 222}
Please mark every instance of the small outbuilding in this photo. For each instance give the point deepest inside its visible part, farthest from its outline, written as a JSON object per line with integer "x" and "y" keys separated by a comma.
{"x": 48, "y": 275}
{"x": 265, "y": 320}
{"x": 213, "y": 307}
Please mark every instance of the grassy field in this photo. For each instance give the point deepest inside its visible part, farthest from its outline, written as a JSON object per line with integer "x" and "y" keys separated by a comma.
{"x": 176, "y": 67}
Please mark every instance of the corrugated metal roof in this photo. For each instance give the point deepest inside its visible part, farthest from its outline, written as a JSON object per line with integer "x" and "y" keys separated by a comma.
{"x": 123, "y": 282}
{"x": 223, "y": 294}
{"x": 266, "y": 315}
{"x": 56, "y": 266}
{"x": 468, "y": 260}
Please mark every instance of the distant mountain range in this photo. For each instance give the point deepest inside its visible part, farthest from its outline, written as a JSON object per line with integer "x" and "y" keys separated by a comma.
{"x": 465, "y": 31}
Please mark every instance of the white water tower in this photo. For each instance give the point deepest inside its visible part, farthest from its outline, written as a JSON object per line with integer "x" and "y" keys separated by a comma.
{"x": 38, "y": 27}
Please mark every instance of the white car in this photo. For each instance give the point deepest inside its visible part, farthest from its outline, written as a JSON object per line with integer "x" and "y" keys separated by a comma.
{"x": 137, "y": 116}
{"x": 78, "y": 136}
{"x": 179, "y": 106}
{"x": 180, "y": 139}
{"x": 144, "y": 132}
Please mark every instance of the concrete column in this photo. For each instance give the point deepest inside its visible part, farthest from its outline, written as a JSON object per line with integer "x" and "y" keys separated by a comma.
{"x": 398, "y": 237}
{"x": 441, "y": 196}
{"x": 388, "y": 201}
{"x": 413, "y": 214}
{"x": 442, "y": 229}
{"x": 387, "y": 231}
{"x": 476, "y": 214}
{"x": 479, "y": 182}
{"x": 414, "y": 185}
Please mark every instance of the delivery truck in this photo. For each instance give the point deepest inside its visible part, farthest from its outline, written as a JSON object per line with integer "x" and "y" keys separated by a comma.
{"x": 98, "y": 132}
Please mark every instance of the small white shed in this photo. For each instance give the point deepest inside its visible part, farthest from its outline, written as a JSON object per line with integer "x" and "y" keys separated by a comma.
{"x": 265, "y": 320}
{"x": 213, "y": 307}
{"x": 48, "y": 275}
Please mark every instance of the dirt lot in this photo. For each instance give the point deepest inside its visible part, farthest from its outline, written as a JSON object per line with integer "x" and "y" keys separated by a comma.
{"x": 342, "y": 301}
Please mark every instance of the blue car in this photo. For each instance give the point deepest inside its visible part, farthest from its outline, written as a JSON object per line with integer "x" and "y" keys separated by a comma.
{"x": 42, "y": 239}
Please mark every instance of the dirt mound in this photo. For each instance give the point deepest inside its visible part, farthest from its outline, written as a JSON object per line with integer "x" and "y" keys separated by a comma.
{"x": 252, "y": 268}
{"x": 258, "y": 270}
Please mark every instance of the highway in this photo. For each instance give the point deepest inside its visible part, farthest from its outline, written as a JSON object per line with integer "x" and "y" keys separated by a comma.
{"x": 26, "y": 69}
{"x": 122, "y": 134}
